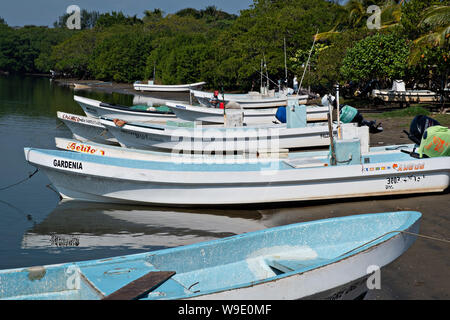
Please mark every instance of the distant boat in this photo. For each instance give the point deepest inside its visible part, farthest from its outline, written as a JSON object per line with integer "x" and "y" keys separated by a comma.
{"x": 79, "y": 86}
{"x": 300, "y": 177}
{"x": 254, "y": 100}
{"x": 323, "y": 259}
{"x": 399, "y": 93}
{"x": 150, "y": 86}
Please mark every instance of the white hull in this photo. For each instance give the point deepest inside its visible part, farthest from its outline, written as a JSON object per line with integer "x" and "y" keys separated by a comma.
{"x": 218, "y": 139}
{"x": 136, "y": 154}
{"x": 249, "y": 101}
{"x": 95, "y": 109}
{"x": 251, "y": 116}
{"x": 315, "y": 284}
{"x": 411, "y": 96}
{"x": 167, "y": 88}
{"x": 111, "y": 180}
{"x": 86, "y": 129}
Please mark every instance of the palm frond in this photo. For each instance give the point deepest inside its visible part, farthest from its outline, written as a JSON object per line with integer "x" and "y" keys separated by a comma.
{"x": 436, "y": 16}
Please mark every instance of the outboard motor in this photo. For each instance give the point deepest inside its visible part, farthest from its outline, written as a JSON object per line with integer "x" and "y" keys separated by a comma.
{"x": 350, "y": 114}
{"x": 418, "y": 127}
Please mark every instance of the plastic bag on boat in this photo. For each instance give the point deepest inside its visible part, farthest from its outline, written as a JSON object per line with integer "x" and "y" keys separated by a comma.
{"x": 327, "y": 100}
{"x": 435, "y": 142}
{"x": 281, "y": 114}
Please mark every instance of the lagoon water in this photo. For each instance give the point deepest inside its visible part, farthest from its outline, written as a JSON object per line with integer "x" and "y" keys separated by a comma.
{"x": 36, "y": 228}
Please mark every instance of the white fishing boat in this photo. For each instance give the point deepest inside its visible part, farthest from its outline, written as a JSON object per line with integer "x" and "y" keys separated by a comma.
{"x": 150, "y": 86}
{"x": 86, "y": 129}
{"x": 137, "y": 154}
{"x": 95, "y": 109}
{"x": 399, "y": 93}
{"x": 331, "y": 259}
{"x": 220, "y": 139}
{"x": 303, "y": 176}
{"x": 251, "y": 116}
{"x": 193, "y": 137}
{"x": 249, "y": 101}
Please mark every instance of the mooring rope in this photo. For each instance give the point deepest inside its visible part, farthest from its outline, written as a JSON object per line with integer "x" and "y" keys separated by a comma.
{"x": 23, "y": 180}
{"x": 398, "y": 231}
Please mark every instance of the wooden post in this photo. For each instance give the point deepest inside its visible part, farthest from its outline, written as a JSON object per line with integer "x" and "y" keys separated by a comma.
{"x": 330, "y": 132}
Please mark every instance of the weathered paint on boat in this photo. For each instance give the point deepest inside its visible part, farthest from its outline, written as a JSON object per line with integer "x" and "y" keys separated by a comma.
{"x": 215, "y": 182}
{"x": 327, "y": 259}
{"x": 86, "y": 129}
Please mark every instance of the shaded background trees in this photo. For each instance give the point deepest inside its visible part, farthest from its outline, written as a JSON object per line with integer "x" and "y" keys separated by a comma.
{"x": 226, "y": 50}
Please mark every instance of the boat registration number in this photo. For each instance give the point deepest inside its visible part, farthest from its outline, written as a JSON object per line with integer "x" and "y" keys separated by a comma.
{"x": 393, "y": 181}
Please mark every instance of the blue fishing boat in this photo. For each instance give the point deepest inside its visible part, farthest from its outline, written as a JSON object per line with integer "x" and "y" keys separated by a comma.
{"x": 331, "y": 259}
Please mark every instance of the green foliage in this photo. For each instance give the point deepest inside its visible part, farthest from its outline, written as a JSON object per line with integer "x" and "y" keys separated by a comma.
{"x": 27, "y": 49}
{"x": 120, "y": 56}
{"x": 72, "y": 56}
{"x": 407, "y": 112}
{"x": 106, "y": 20}
{"x": 381, "y": 56}
{"x": 226, "y": 50}
{"x": 179, "y": 59}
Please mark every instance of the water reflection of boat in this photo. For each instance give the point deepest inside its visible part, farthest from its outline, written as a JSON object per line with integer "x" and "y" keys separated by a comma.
{"x": 150, "y": 101}
{"x": 95, "y": 225}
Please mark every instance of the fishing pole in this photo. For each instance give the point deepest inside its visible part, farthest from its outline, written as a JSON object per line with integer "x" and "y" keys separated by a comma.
{"x": 307, "y": 62}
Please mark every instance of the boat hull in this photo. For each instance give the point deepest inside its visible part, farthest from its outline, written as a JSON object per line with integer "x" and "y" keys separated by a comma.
{"x": 177, "y": 183}
{"x": 410, "y": 96}
{"x": 247, "y": 101}
{"x": 96, "y": 109}
{"x": 211, "y": 139}
{"x": 251, "y": 116}
{"x": 86, "y": 129}
{"x": 286, "y": 262}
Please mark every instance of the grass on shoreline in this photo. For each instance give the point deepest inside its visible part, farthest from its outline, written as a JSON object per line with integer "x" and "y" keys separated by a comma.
{"x": 409, "y": 113}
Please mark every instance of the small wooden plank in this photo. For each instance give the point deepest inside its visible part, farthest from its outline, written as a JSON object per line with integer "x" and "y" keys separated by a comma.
{"x": 141, "y": 286}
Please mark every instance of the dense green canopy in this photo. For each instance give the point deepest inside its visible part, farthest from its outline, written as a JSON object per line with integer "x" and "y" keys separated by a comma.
{"x": 227, "y": 50}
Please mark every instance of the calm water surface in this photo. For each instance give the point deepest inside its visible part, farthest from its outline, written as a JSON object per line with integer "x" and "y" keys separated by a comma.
{"x": 32, "y": 216}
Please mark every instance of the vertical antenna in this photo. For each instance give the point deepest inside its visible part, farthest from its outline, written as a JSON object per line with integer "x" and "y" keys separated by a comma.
{"x": 285, "y": 61}
{"x": 307, "y": 62}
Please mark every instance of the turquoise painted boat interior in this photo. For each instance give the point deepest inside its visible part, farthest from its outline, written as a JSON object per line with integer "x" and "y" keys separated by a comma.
{"x": 248, "y": 259}
{"x": 161, "y": 109}
{"x": 213, "y": 165}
